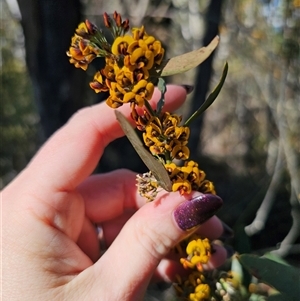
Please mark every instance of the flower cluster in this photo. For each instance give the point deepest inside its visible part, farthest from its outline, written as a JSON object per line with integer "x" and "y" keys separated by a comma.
{"x": 167, "y": 139}
{"x": 127, "y": 74}
{"x": 130, "y": 60}
{"x": 198, "y": 252}
{"x": 194, "y": 286}
{"x": 165, "y": 135}
{"x": 87, "y": 44}
{"x": 147, "y": 186}
{"x": 189, "y": 177}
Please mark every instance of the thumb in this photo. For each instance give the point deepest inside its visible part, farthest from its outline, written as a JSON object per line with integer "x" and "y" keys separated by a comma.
{"x": 145, "y": 240}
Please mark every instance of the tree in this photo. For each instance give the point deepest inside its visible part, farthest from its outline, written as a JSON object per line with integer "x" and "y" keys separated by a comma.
{"x": 58, "y": 87}
{"x": 204, "y": 71}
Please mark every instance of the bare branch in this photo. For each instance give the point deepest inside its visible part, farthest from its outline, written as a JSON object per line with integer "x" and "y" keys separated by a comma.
{"x": 262, "y": 213}
{"x": 286, "y": 245}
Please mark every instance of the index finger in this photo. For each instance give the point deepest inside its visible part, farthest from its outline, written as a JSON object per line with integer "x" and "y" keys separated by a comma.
{"x": 73, "y": 152}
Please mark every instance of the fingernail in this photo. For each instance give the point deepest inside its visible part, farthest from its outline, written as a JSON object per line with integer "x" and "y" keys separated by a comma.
{"x": 188, "y": 88}
{"x": 227, "y": 232}
{"x": 197, "y": 210}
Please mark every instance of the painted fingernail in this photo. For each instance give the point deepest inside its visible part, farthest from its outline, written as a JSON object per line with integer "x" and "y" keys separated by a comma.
{"x": 227, "y": 232}
{"x": 188, "y": 88}
{"x": 196, "y": 211}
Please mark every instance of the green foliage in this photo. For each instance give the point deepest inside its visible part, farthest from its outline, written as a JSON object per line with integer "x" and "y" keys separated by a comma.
{"x": 278, "y": 274}
{"x": 17, "y": 116}
{"x": 211, "y": 98}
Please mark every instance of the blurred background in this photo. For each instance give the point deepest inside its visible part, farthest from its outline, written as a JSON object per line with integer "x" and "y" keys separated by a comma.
{"x": 247, "y": 142}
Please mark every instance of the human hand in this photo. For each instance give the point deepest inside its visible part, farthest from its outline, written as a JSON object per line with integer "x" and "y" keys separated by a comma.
{"x": 49, "y": 242}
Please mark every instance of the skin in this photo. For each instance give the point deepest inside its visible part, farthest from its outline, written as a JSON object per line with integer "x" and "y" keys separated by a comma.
{"x": 50, "y": 249}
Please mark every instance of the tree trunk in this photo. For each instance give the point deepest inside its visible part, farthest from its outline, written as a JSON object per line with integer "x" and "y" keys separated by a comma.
{"x": 58, "y": 87}
{"x": 204, "y": 72}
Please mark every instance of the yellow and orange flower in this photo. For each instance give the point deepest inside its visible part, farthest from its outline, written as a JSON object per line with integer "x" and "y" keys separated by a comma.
{"x": 199, "y": 252}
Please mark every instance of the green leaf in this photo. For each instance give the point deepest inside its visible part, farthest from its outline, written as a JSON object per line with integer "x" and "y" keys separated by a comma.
{"x": 276, "y": 258}
{"x": 211, "y": 98}
{"x": 284, "y": 278}
{"x": 163, "y": 89}
{"x": 187, "y": 61}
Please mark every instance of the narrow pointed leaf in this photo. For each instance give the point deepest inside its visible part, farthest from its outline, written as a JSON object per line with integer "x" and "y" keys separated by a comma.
{"x": 211, "y": 98}
{"x": 279, "y": 297}
{"x": 276, "y": 258}
{"x": 154, "y": 165}
{"x": 187, "y": 61}
{"x": 284, "y": 278}
{"x": 163, "y": 89}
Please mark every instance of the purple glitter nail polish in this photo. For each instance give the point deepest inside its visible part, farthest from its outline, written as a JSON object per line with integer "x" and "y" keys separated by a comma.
{"x": 196, "y": 211}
